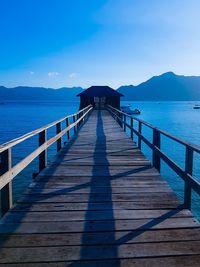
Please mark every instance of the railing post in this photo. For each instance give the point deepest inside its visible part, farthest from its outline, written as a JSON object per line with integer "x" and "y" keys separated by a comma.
{"x": 140, "y": 132}
{"x": 124, "y": 122}
{"x": 188, "y": 169}
{"x": 132, "y": 128}
{"x": 120, "y": 119}
{"x": 156, "y": 142}
{"x": 59, "y": 141}
{"x": 77, "y": 117}
{"x": 74, "y": 120}
{"x": 43, "y": 155}
{"x": 6, "y": 191}
{"x": 67, "y": 124}
{"x": 83, "y": 112}
{"x": 116, "y": 116}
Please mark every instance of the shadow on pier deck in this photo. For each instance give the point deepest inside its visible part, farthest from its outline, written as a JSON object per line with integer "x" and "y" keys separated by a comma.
{"x": 99, "y": 203}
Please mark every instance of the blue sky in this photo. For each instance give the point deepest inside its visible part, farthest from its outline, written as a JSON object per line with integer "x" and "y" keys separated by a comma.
{"x": 56, "y": 43}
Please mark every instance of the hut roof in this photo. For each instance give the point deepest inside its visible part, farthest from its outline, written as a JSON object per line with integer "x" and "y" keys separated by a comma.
{"x": 99, "y": 91}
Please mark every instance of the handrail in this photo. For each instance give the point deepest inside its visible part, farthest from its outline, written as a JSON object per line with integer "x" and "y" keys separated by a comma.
{"x": 22, "y": 138}
{"x": 196, "y": 148}
{"x": 157, "y": 154}
{"x": 8, "y": 172}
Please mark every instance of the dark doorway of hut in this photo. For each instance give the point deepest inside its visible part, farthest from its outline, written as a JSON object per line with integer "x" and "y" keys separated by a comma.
{"x": 99, "y": 102}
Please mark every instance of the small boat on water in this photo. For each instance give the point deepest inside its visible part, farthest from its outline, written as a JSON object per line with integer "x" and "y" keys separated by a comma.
{"x": 126, "y": 109}
{"x": 196, "y": 107}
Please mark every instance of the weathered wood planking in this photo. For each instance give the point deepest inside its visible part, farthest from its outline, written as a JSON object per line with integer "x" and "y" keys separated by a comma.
{"x": 99, "y": 203}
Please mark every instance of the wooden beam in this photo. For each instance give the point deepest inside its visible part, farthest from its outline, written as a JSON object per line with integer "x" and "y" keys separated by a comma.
{"x": 43, "y": 155}
{"x": 188, "y": 169}
{"x": 6, "y": 191}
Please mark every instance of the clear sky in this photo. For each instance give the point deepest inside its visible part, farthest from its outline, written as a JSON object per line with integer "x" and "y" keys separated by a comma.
{"x": 57, "y": 43}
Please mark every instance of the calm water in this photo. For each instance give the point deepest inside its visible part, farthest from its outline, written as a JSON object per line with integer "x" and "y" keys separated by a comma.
{"x": 179, "y": 118}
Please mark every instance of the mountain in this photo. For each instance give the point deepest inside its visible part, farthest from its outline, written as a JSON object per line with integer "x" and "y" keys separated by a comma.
{"x": 165, "y": 87}
{"x": 39, "y": 93}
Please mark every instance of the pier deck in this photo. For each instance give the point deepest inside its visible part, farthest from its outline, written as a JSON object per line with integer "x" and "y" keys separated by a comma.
{"x": 99, "y": 203}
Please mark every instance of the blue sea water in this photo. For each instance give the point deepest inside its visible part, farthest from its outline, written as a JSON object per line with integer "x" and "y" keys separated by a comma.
{"x": 178, "y": 118}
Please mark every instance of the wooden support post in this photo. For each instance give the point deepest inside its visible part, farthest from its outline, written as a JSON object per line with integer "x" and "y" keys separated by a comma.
{"x": 82, "y": 113}
{"x": 116, "y": 116}
{"x": 120, "y": 120}
{"x": 68, "y": 132}
{"x": 188, "y": 169}
{"x": 124, "y": 123}
{"x": 74, "y": 120}
{"x": 43, "y": 155}
{"x": 139, "y": 131}
{"x": 6, "y": 191}
{"x": 59, "y": 141}
{"x": 156, "y": 142}
{"x": 131, "y": 128}
{"x": 77, "y": 117}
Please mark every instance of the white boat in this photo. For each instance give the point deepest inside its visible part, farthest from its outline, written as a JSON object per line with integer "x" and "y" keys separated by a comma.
{"x": 196, "y": 107}
{"x": 126, "y": 109}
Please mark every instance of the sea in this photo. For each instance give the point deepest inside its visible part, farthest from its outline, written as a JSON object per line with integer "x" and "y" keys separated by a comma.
{"x": 177, "y": 118}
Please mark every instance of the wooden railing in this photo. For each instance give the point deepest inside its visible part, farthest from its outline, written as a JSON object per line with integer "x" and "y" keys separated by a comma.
{"x": 8, "y": 172}
{"x": 157, "y": 154}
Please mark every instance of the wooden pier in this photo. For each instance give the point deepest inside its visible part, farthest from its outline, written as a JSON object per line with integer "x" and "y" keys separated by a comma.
{"x": 99, "y": 203}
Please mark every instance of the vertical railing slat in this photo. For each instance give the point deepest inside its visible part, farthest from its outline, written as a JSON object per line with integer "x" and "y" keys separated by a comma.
{"x": 43, "y": 155}
{"x": 132, "y": 128}
{"x": 59, "y": 141}
{"x": 188, "y": 169}
{"x": 124, "y": 122}
{"x": 68, "y": 132}
{"x": 140, "y": 132}
{"x": 156, "y": 142}
{"x": 74, "y": 120}
{"x": 6, "y": 191}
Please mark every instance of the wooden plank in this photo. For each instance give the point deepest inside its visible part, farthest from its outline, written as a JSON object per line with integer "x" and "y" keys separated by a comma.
{"x": 106, "y": 215}
{"x": 99, "y": 190}
{"x": 54, "y": 254}
{"x": 104, "y": 238}
{"x": 85, "y": 179}
{"x": 172, "y": 261}
{"x": 98, "y": 226}
{"x": 116, "y": 171}
{"x": 83, "y": 206}
{"x": 73, "y": 197}
{"x": 114, "y": 183}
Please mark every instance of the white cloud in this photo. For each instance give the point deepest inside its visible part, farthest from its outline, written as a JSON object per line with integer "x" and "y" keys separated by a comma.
{"x": 32, "y": 72}
{"x": 72, "y": 75}
{"x": 53, "y": 74}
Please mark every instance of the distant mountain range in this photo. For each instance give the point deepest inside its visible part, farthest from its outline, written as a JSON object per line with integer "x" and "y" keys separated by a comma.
{"x": 39, "y": 93}
{"x": 165, "y": 87}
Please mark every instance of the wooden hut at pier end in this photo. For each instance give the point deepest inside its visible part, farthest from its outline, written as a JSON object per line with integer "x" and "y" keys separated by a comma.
{"x": 99, "y": 96}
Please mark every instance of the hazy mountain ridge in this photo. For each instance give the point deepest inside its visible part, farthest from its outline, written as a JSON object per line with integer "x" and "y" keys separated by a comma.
{"x": 39, "y": 93}
{"x": 167, "y": 86}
